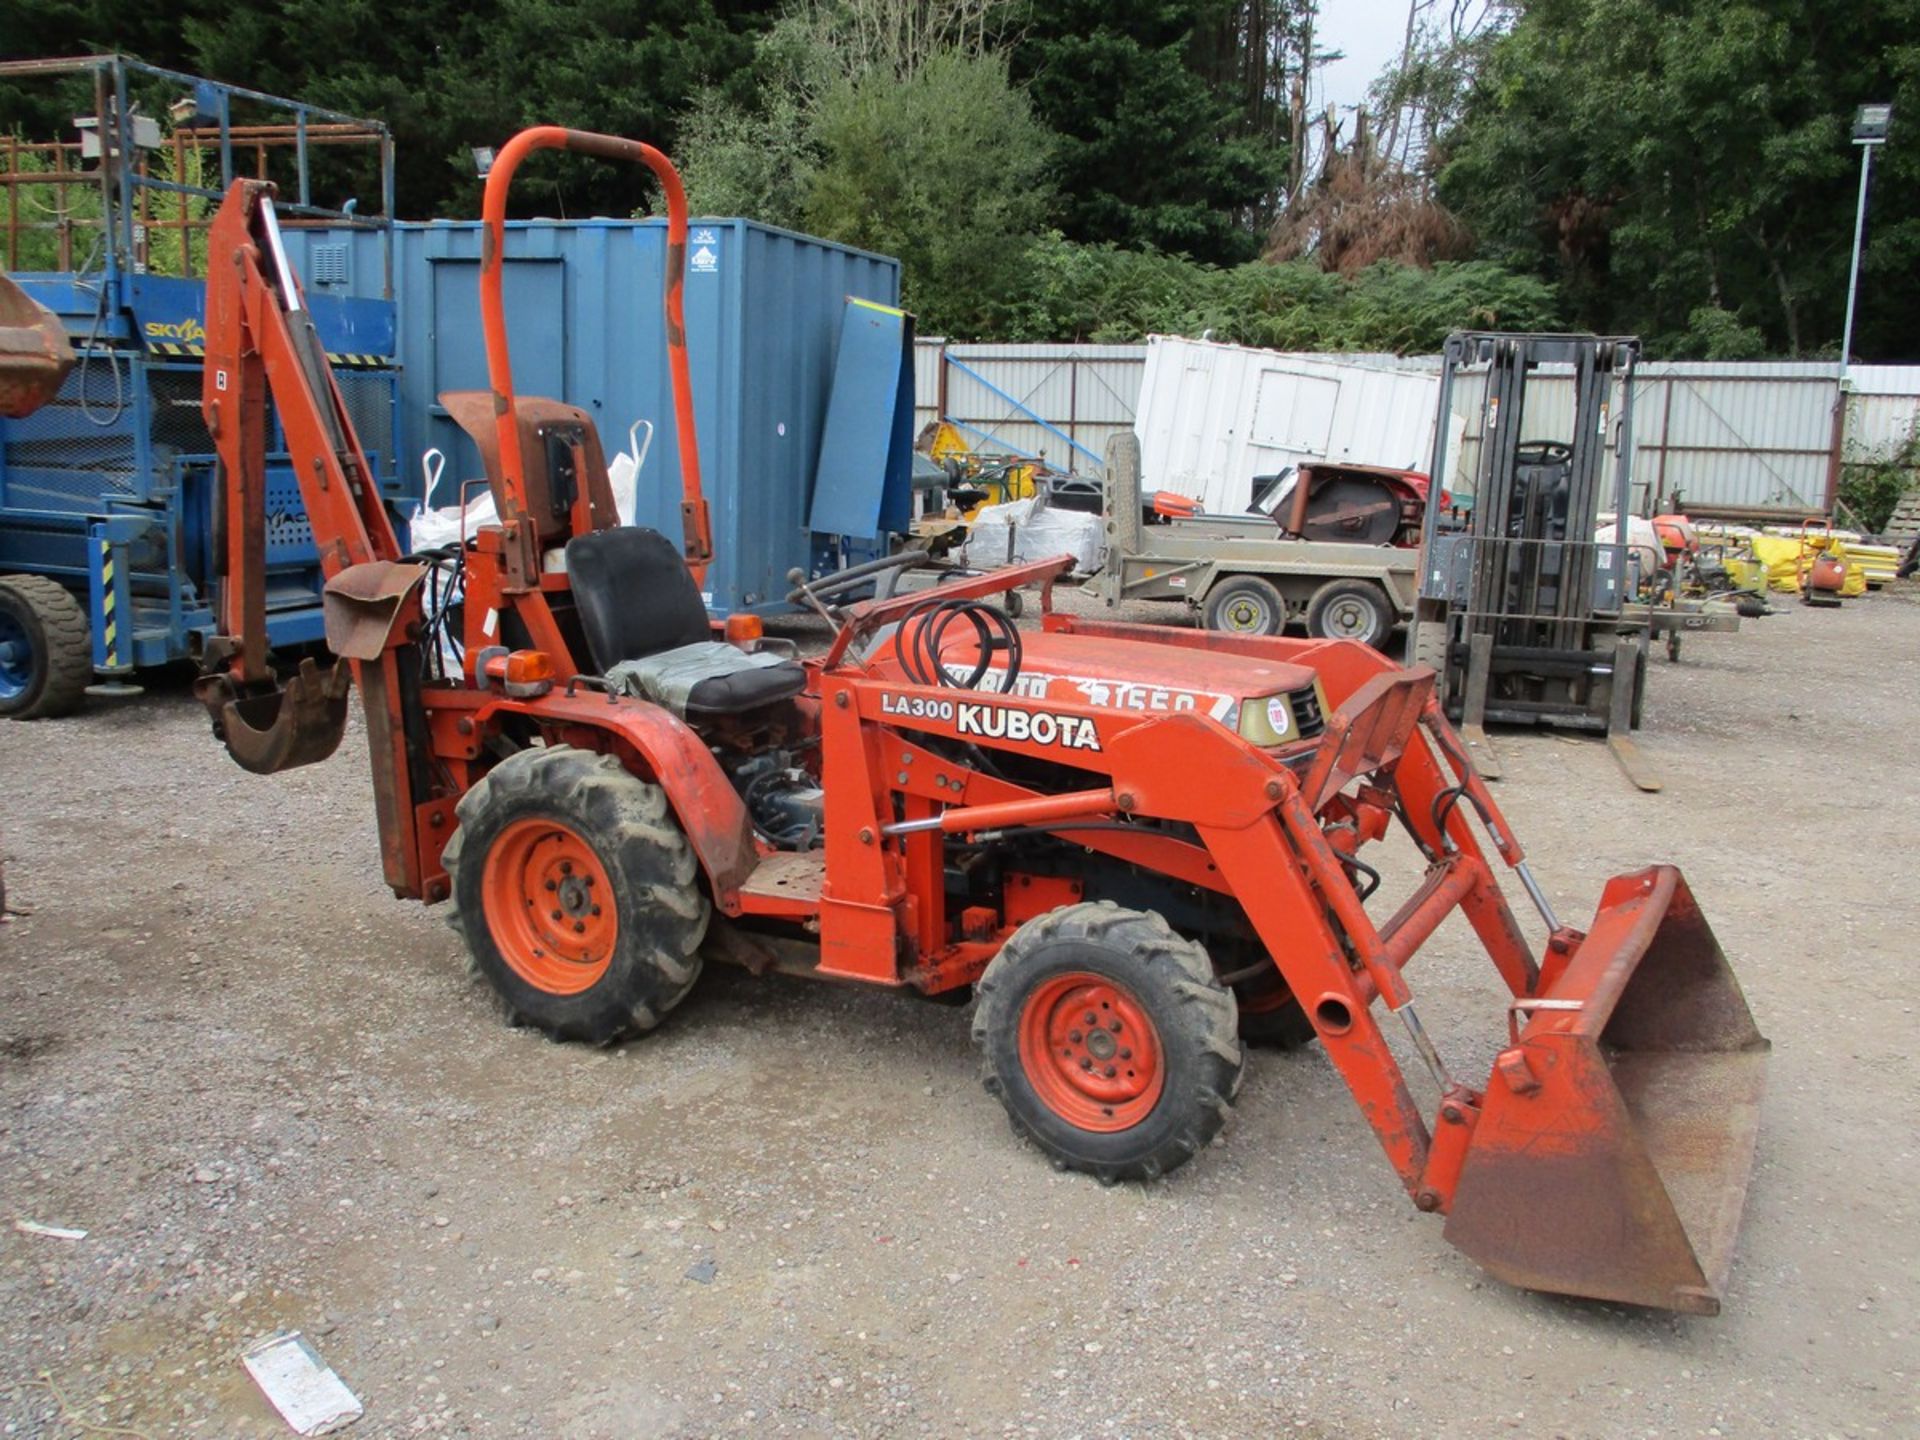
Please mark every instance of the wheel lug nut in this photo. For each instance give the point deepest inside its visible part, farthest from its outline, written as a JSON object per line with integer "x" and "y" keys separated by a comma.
{"x": 1092, "y": 1019}
{"x": 1114, "y": 1027}
{"x": 1074, "y": 1036}
{"x": 596, "y": 910}
{"x": 566, "y": 867}
{"x": 556, "y": 914}
{"x": 552, "y": 886}
{"x": 1111, "y": 1072}
{"x": 580, "y": 928}
{"x": 1126, "y": 1054}
{"x": 1085, "y": 1064}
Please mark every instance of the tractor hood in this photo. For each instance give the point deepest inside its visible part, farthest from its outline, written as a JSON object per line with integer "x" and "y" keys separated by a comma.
{"x": 1267, "y": 701}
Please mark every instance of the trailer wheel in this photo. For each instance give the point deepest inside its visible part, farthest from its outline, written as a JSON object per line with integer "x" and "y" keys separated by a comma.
{"x": 575, "y": 891}
{"x": 1350, "y": 610}
{"x": 1109, "y": 1041}
{"x": 1246, "y": 605}
{"x": 46, "y": 656}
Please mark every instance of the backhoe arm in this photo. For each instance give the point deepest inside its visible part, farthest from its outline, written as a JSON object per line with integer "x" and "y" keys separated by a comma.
{"x": 261, "y": 342}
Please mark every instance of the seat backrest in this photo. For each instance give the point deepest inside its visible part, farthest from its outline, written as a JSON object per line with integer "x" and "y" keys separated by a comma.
{"x": 635, "y": 595}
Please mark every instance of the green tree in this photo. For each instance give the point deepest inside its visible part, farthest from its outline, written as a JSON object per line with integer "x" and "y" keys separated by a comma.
{"x": 1161, "y": 147}
{"x": 892, "y": 126}
{"x": 444, "y": 76}
{"x": 1664, "y": 158}
{"x": 1071, "y": 291}
{"x": 945, "y": 170}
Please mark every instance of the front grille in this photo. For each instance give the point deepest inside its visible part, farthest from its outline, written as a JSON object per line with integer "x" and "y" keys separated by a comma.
{"x": 1308, "y": 718}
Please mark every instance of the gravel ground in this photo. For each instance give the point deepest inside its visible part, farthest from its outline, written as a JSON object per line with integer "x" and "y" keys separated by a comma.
{"x": 272, "y": 1098}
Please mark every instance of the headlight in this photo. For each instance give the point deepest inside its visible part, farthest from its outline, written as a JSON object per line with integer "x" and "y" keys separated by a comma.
{"x": 1268, "y": 721}
{"x": 1283, "y": 719}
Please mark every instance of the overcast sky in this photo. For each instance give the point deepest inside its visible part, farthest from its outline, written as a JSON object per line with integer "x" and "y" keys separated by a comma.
{"x": 1370, "y": 33}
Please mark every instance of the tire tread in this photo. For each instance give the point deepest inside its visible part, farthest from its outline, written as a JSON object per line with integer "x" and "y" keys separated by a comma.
{"x": 69, "y": 639}
{"x": 1204, "y": 1007}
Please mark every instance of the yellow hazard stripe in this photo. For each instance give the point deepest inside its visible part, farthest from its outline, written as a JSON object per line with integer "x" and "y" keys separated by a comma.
{"x": 110, "y": 627}
{"x": 347, "y": 359}
{"x": 875, "y": 305}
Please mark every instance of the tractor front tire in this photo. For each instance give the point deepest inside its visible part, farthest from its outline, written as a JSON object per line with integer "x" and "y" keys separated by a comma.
{"x": 576, "y": 892}
{"x": 1109, "y": 1041}
{"x": 46, "y": 655}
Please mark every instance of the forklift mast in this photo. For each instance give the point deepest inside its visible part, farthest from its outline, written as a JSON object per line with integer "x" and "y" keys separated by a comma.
{"x": 1523, "y": 613}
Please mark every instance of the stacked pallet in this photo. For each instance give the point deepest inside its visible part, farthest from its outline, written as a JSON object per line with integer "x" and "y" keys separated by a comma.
{"x": 1905, "y": 523}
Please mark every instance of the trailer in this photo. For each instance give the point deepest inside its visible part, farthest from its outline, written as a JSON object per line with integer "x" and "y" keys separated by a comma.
{"x": 111, "y": 543}
{"x": 1243, "y": 574}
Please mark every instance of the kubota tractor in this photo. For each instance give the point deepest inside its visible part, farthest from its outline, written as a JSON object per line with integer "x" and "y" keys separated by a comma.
{"x": 1140, "y": 847}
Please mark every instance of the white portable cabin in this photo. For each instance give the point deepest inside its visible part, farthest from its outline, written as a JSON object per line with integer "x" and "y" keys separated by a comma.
{"x": 1211, "y": 417}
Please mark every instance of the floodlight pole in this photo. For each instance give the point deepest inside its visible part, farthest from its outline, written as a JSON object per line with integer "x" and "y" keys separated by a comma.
{"x": 1867, "y": 147}
{"x": 1871, "y": 124}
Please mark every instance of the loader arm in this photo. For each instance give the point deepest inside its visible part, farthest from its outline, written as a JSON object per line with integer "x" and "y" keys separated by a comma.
{"x": 1606, "y": 1154}
{"x": 261, "y": 344}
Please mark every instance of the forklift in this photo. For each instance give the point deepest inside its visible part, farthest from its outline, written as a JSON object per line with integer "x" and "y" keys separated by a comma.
{"x": 1524, "y": 616}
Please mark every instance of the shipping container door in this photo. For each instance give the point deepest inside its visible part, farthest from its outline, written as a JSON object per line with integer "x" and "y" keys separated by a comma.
{"x": 536, "y": 293}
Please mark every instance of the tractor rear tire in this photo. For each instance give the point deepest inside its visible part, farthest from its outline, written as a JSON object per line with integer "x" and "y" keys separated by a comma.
{"x": 1246, "y": 605}
{"x": 1143, "y": 1086}
{"x": 576, "y": 892}
{"x": 46, "y": 653}
{"x": 1351, "y": 610}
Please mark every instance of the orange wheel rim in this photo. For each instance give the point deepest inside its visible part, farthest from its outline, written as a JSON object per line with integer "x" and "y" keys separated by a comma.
{"x": 1090, "y": 1052}
{"x": 549, "y": 906}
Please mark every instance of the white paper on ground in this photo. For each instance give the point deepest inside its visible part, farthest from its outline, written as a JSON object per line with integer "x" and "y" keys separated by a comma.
{"x": 300, "y": 1385}
{"x": 52, "y": 1232}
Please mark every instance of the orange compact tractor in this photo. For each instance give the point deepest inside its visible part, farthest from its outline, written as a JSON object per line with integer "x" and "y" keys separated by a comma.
{"x": 1139, "y": 847}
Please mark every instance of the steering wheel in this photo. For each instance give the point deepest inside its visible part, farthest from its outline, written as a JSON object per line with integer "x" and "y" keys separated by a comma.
{"x": 1540, "y": 452}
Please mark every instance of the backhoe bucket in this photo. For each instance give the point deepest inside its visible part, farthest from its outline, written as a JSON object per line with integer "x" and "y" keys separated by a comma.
{"x": 35, "y": 355}
{"x": 1616, "y": 1137}
{"x": 273, "y": 729}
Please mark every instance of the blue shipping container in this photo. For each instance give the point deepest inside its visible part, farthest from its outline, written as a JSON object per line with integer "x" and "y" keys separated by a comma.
{"x": 764, "y": 312}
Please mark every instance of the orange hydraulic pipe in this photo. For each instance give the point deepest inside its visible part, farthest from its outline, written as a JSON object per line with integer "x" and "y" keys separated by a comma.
{"x": 697, "y": 531}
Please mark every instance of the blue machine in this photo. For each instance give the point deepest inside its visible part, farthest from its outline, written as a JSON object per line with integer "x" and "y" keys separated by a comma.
{"x": 766, "y": 312}
{"x": 110, "y": 489}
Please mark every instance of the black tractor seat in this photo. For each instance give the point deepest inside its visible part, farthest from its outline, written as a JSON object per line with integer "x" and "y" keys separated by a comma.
{"x": 642, "y": 612}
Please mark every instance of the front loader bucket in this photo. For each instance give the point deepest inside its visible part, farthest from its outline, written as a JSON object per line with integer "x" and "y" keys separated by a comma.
{"x": 35, "y": 355}
{"x": 279, "y": 728}
{"x": 1613, "y": 1148}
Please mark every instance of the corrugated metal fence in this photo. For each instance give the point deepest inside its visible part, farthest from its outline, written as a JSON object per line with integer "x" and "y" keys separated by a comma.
{"x": 1060, "y": 402}
{"x": 1751, "y": 438}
